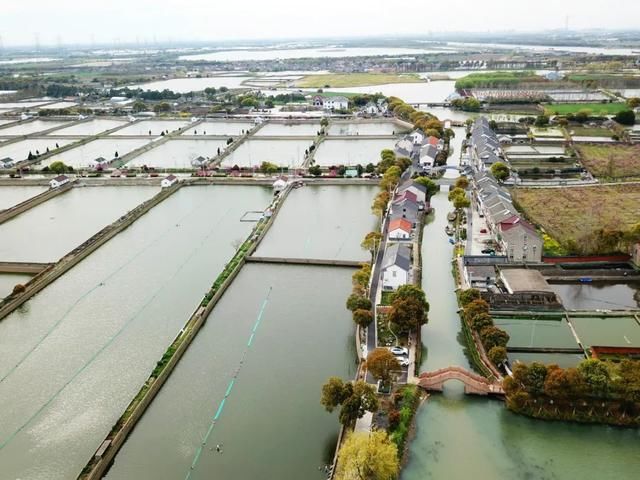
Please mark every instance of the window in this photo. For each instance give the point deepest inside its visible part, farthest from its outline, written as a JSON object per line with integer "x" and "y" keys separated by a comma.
{"x": 394, "y": 273}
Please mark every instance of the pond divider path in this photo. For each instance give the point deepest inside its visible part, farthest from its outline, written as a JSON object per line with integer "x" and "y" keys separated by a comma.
{"x": 54, "y": 271}
{"x": 29, "y": 203}
{"x": 99, "y": 464}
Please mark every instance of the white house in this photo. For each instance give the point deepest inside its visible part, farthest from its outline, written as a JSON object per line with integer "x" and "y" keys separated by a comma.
{"x": 169, "y": 181}
{"x": 59, "y": 181}
{"x": 396, "y": 266}
{"x": 279, "y": 184}
{"x": 331, "y": 103}
{"x": 400, "y": 229}
{"x": 198, "y": 162}
{"x": 6, "y": 162}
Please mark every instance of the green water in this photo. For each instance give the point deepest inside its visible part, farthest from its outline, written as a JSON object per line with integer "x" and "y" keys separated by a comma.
{"x": 460, "y": 437}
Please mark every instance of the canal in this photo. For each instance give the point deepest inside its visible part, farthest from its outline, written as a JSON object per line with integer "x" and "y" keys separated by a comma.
{"x": 75, "y": 355}
{"x": 462, "y": 437}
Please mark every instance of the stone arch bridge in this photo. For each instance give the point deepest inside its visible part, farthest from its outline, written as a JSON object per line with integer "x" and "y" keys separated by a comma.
{"x": 473, "y": 383}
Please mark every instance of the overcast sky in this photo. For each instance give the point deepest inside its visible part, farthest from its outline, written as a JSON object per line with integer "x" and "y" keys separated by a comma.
{"x": 111, "y": 21}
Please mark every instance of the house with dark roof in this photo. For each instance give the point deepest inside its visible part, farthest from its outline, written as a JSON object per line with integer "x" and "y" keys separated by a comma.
{"x": 396, "y": 266}
{"x": 169, "y": 181}
{"x": 58, "y": 181}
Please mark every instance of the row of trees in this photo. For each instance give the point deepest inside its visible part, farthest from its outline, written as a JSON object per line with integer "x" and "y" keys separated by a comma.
{"x": 476, "y": 315}
{"x": 426, "y": 122}
{"x": 594, "y": 391}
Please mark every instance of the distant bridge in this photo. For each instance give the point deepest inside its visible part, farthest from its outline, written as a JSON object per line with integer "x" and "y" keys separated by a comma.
{"x": 473, "y": 384}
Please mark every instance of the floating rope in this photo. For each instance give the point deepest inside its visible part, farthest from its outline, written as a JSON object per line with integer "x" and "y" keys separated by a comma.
{"x": 196, "y": 458}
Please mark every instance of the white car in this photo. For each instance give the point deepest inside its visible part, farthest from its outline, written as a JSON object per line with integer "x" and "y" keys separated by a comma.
{"x": 399, "y": 351}
{"x": 403, "y": 361}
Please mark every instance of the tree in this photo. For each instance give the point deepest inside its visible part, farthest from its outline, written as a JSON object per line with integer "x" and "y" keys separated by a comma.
{"x": 370, "y": 168}
{"x": 431, "y": 186}
{"x": 371, "y": 242}
{"x": 355, "y": 302}
{"x": 462, "y": 183}
{"x": 387, "y": 159}
{"x": 475, "y": 307}
{"x": 362, "y": 317}
{"x": 355, "y": 399}
{"x": 268, "y": 167}
{"x": 361, "y": 277}
{"x": 382, "y": 363}
{"x": 469, "y": 295}
{"x": 625, "y": 117}
{"x": 596, "y": 375}
{"x": 542, "y": 121}
{"x": 315, "y": 170}
{"x": 139, "y": 106}
{"x": 633, "y": 102}
{"x": 494, "y": 337}
{"x": 403, "y": 163}
{"x": 480, "y": 321}
{"x": 368, "y": 456}
{"x": 162, "y": 107}
{"x": 324, "y": 122}
{"x": 380, "y": 202}
{"x": 58, "y": 167}
{"x": 390, "y": 178}
{"x": 460, "y": 202}
{"x": 501, "y": 171}
{"x": 497, "y": 355}
{"x": 409, "y": 308}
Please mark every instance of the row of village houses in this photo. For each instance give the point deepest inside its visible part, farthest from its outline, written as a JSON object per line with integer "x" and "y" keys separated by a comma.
{"x": 422, "y": 149}
{"x": 408, "y": 204}
{"x": 519, "y": 239}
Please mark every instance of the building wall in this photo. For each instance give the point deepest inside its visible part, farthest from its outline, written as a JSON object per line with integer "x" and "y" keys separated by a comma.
{"x": 515, "y": 241}
{"x": 399, "y": 234}
{"x": 394, "y": 277}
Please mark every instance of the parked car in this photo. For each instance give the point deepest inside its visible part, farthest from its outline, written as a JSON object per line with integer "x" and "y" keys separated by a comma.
{"x": 398, "y": 351}
{"x": 403, "y": 361}
{"x": 489, "y": 251}
{"x": 483, "y": 230}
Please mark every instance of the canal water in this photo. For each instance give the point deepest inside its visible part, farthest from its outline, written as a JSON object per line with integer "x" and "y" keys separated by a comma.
{"x": 62, "y": 223}
{"x": 460, "y": 437}
{"x": 74, "y": 356}
{"x": 323, "y": 222}
{"x": 272, "y": 425}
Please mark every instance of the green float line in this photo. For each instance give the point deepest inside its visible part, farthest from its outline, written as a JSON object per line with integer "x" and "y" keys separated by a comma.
{"x": 198, "y": 454}
{"x": 89, "y": 292}
{"x": 130, "y": 321}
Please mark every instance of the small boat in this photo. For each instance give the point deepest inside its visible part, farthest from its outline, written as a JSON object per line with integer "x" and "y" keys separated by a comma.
{"x": 450, "y": 231}
{"x": 585, "y": 279}
{"x": 451, "y": 241}
{"x": 451, "y": 216}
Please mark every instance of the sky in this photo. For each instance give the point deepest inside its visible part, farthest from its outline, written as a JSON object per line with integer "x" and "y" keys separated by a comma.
{"x": 45, "y": 22}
